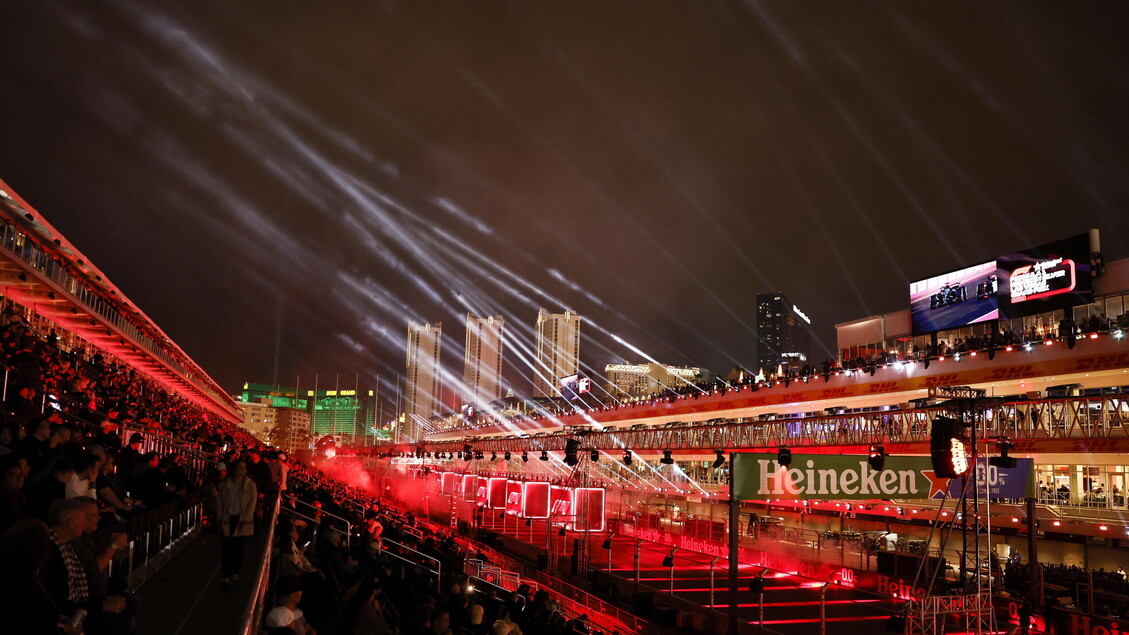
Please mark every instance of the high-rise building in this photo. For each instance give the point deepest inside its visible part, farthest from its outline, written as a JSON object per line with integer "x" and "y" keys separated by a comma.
{"x": 482, "y": 370}
{"x": 783, "y": 333}
{"x": 558, "y": 351}
{"x": 291, "y": 432}
{"x": 633, "y": 381}
{"x": 347, "y": 414}
{"x": 258, "y": 418}
{"x": 422, "y": 392}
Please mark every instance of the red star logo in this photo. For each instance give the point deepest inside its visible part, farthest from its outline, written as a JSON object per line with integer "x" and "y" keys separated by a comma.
{"x": 937, "y": 484}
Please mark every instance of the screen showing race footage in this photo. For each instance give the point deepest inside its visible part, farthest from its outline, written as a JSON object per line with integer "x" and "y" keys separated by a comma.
{"x": 1045, "y": 278}
{"x": 955, "y": 299}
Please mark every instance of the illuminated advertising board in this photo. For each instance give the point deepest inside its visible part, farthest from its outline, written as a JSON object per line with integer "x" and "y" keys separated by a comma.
{"x": 1046, "y": 278}
{"x": 480, "y": 494}
{"x": 496, "y": 493}
{"x": 573, "y": 386}
{"x": 589, "y": 505}
{"x": 535, "y": 503}
{"x": 513, "y": 497}
{"x": 450, "y": 482}
{"x": 954, "y": 299}
{"x": 469, "y": 487}
{"x": 560, "y": 504}
{"x": 1050, "y": 277}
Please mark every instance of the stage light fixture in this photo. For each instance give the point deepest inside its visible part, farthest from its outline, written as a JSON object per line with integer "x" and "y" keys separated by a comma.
{"x": 607, "y": 543}
{"x": 572, "y": 446}
{"x": 493, "y": 456}
{"x": 506, "y": 455}
{"x": 668, "y": 561}
{"x": 544, "y": 455}
{"x": 528, "y": 522}
{"x": 720, "y": 460}
{"x": 467, "y": 449}
{"x": 784, "y": 456}
{"x": 668, "y": 458}
{"x": 627, "y": 457}
{"x": 562, "y": 532}
{"x": 756, "y": 585}
{"x": 877, "y": 458}
{"x": 948, "y": 448}
{"x": 595, "y": 456}
{"x": 525, "y": 457}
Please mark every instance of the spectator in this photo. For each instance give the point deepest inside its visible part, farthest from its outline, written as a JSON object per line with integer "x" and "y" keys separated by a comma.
{"x": 25, "y": 604}
{"x": 81, "y": 481}
{"x": 40, "y": 495}
{"x": 287, "y": 595}
{"x": 63, "y": 576}
{"x": 13, "y": 501}
{"x": 237, "y": 498}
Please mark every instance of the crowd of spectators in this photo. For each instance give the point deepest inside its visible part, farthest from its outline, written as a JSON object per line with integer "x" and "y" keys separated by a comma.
{"x": 72, "y": 485}
{"x": 72, "y": 488}
{"x": 351, "y": 564}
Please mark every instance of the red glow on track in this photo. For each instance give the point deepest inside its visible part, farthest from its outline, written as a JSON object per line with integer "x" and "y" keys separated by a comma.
{"x": 829, "y": 619}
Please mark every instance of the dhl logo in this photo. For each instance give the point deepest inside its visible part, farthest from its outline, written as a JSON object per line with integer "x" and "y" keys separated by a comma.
{"x": 1014, "y": 372}
{"x": 942, "y": 380}
{"x": 883, "y": 386}
{"x": 833, "y": 392}
{"x": 1101, "y": 362}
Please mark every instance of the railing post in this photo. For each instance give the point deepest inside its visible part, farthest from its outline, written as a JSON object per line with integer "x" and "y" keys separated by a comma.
{"x": 712, "y": 563}
{"x": 823, "y": 609}
{"x": 638, "y": 543}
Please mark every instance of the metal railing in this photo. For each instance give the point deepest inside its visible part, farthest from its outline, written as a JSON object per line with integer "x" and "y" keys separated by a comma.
{"x": 294, "y": 500}
{"x": 194, "y": 461}
{"x": 154, "y": 546}
{"x": 253, "y": 615}
{"x": 438, "y": 565}
{"x": 1095, "y": 417}
{"x": 21, "y": 247}
{"x": 576, "y": 597}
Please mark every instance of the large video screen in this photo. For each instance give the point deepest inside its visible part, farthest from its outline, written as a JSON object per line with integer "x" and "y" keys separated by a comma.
{"x": 1046, "y": 278}
{"x": 573, "y": 386}
{"x": 954, "y": 299}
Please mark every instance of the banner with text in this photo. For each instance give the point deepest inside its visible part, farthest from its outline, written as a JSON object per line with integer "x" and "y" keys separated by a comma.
{"x": 837, "y": 477}
{"x": 1001, "y": 482}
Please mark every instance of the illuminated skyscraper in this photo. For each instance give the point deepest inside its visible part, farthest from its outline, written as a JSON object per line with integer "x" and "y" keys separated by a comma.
{"x": 482, "y": 371}
{"x": 783, "y": 333}
{"x": 421, "y": 395}
{"x": 558, "y": 351}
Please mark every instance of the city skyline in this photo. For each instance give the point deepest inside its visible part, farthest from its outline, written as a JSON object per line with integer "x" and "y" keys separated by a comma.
{"x": 285, "y": 198}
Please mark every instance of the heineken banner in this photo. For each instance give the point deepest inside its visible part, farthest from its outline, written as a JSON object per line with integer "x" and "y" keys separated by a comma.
{"x": 998, "y": 482}
{"x": 837, "y": 477}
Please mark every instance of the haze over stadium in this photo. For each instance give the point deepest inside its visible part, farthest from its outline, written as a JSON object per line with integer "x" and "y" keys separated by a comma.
{"x": 283, "y": 188}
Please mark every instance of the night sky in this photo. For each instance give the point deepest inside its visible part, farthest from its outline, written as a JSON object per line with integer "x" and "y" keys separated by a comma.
{"x": 283, "y": 185}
